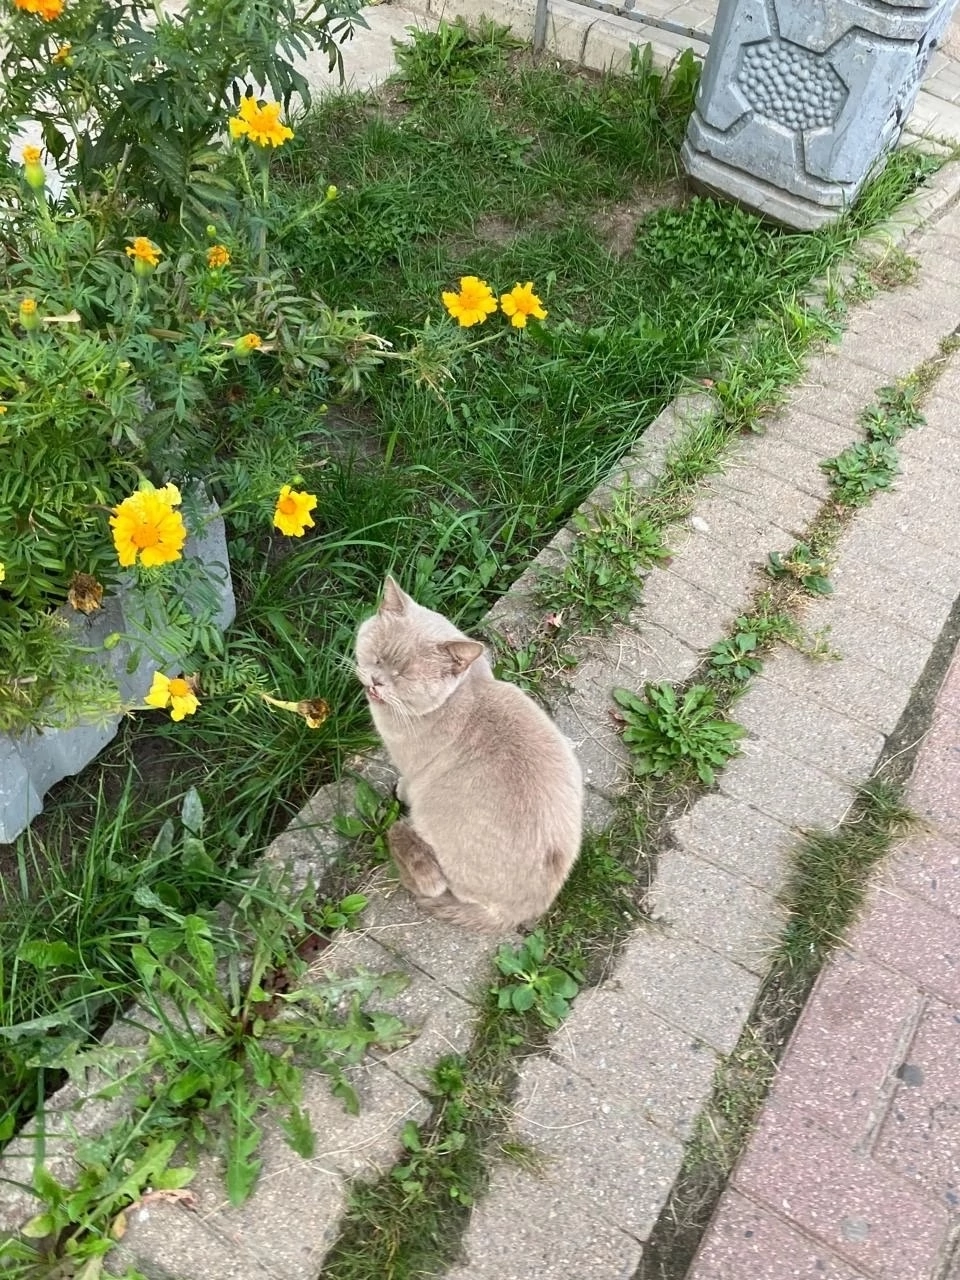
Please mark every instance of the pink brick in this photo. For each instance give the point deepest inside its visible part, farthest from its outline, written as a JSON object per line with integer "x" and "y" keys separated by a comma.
{"x": 850, "y": 1039}
{"x": 928, "y": 866}
{"x": 872, "y": 1218}
{"x": 747, "y": 1242}
{"x": 934, "y": 790}
{"x": 913, "y": 938}
{"x": 921, "y": 1136}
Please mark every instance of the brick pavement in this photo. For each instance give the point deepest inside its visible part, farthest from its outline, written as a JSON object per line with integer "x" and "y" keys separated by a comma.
{"x": 854, "y": 1170}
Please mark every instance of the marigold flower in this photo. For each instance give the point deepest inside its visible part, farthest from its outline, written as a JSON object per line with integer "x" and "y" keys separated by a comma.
{"x": 46, "y": 9}
{"x": 3, "y": 571}
{"x": 28, "y": 315}
{"x": 85, "y": 593}
{"x": 146, "y": 526}
{"x": 292, "y": 514}
{"x": 62, "y": 53}
{"x": 3, "y": 408}
{"x": 31, "y": 155}
{"x": 33, "y": 169}
{"x": 314, "y": 710}
{"x": 261, "y": 125}
{"x": 178, "y": 694}
{"x": 218, "y": 255}
{"x": 521, "y": 303}
{"x": 249, "y": 342}
{"x": 472, "y": 304}
{"x": 145, "y": 255}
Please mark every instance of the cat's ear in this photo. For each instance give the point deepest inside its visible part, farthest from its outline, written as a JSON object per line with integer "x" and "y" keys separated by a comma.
{"x": 394, "y": 600}
{"x": 462, "y": 653}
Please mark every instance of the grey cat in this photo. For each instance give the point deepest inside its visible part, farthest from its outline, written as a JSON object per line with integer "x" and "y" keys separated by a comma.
{"x": 494, "y": 790}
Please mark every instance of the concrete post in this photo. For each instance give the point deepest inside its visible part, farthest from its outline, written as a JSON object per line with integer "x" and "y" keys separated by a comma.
{"x": 801, "y": 100}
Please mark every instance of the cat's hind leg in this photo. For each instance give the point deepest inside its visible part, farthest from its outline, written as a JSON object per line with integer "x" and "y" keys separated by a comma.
{"x": 416, "y": 862}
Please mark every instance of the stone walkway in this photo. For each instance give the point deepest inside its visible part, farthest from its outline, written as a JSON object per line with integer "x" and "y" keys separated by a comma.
{"x": 854, "y": 1170}
{"x": 865, "y": 1180}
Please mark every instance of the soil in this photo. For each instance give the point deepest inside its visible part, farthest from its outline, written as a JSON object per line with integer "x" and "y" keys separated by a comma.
{"x": 617, "y": 224}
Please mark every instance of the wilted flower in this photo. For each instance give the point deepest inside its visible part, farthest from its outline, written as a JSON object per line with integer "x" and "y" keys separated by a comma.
{"x": 62, "y": 54}
{"x": 314, "y": 710}
{"x": 261, "y": 125}
{"x": 472, "y": 304}
{"x": 145, "y": 255}
{"x": 146, "y": 526}
{"x": 85, "y": 592}
{"x": 218, "y": 255}
{"x": 292, "y": 514}
{"x": 179, "y": 694}
{"x": 521, "y": 303}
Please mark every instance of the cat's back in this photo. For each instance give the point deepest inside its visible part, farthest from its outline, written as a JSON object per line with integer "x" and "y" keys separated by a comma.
{"x": 509, "y": 732}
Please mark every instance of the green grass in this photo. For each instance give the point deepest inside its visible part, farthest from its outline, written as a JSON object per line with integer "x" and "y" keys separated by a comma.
{"x": 499, "y": 166}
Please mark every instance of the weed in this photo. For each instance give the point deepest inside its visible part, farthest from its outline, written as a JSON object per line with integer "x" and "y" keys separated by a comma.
{"x": 666, "y": 730}
{"x": 804, "y": 566}
{"x": 534, "y": 982}
{"x": 450, "y": 57}
{"x": 601, "y": 578}
{"x": 860, "y": 470}
{"x": 893, "y": 269}
{"x": 373, "y": 817}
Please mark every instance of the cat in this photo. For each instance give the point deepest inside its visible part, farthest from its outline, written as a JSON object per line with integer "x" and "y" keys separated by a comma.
{"x": 494, "y": 790}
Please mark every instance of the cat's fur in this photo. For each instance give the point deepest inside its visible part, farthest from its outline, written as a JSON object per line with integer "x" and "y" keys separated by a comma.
{"x": 494, "y": 789}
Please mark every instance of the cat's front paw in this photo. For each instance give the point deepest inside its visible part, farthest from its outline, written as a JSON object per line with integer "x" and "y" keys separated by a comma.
{"x": 400, "y": 791}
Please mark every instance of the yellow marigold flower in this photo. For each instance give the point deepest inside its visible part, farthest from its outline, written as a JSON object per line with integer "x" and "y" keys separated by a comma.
{"x": 33, "y": 169}
{"x": 521, "y": 303}
{"x": 3, "y": 408}
{"x": 170, "y": 495}
{"x": 218, "y": 255}
{"x": 472, "y": 304}
{"x": 62, "y": 53}
{"x": 145, "y": 255}
{"x": 292, "y": 514}
{"x": 28, "y": 315}
{"x": 3, "y": 571}
{"x": 178, "y": 694}
{"x": 145, "y": 525}
{"x": 261, "y": 125}
{"x": 31, "y": 155}
{"x": 249, "y": 342}
{"x": 46, "y": 9}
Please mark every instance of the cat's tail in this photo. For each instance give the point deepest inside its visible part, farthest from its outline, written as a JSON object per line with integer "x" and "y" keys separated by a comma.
{"x": 470, "y": 915}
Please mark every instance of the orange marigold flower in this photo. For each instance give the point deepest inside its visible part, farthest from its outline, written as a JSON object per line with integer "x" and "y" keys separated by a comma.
{"x": 145, "y": 526}
{"x": 292, "y": 514}
{"x": 521, "y": 303}
{"x": 145, "y": 255}
{"x": 261, "y": 124}
{"x": 31, "y": 155}
{"x": 179, "y": 694}
{"x": 45, "y": 9}
{"x": 472, "y": 304}
{"x": 249, "y": 342}
{"x": 218, "y": 255}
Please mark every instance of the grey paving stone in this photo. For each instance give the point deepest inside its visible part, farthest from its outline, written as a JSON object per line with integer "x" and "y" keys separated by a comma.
{"x": 733, "y": 835}
{"x": 948, "y": 384}
{"x": 458, "y": 959}
{"x": 865, "y": 694}
{"x": 783, "y": 455}
{"x": 688, "y": 985}
{"x": 720, "y": 910}
{"x": 935, "y": 569}
{"x": 792, "y": 792}
{"x": 937, "y": 442}
{"x": 823, "y": 437}
{"x": 625, "y": 1049}
{"x": 717, "y": 567}
{"x": 892, "y": 595}
{"x": 598, "y": 811}
{"x": 767, "y": 496}
{"x": 441, "y": 1019}
{"x": 730, "y": 520}
{"x": 876, "y": 641}
{"x": 612, "y": 1163}
{"x": 836, "y": 387}
{"x": 890, "y": 346}
{"x": 292, "y": 1216}
{"x": 809, "y": 731}
{"x": 166, "y": 1242}
{"x": 923, "y": 504}
{"x": 597, "y": 740}
{"x": 550, "y": 1238}
{"x": 630, "y": 655}
{"x": 687, "y": 612}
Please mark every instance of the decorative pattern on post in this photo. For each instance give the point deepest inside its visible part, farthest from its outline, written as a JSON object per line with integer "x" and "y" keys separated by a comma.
{"x": 801, "y": 100}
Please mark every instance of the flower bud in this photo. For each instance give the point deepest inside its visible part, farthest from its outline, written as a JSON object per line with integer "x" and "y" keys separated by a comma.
{"x": 248, "y": 343}
{"x": 332, "y": 192}
{"x": 29, "y": 319}
{"x": 33, "y": 169}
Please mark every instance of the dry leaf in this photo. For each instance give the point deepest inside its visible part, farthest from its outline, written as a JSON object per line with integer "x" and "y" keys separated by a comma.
{"x": 85, "y": 592}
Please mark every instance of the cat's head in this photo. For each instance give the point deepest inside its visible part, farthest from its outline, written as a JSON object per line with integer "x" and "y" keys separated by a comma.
{"x": 409, "y": 658}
